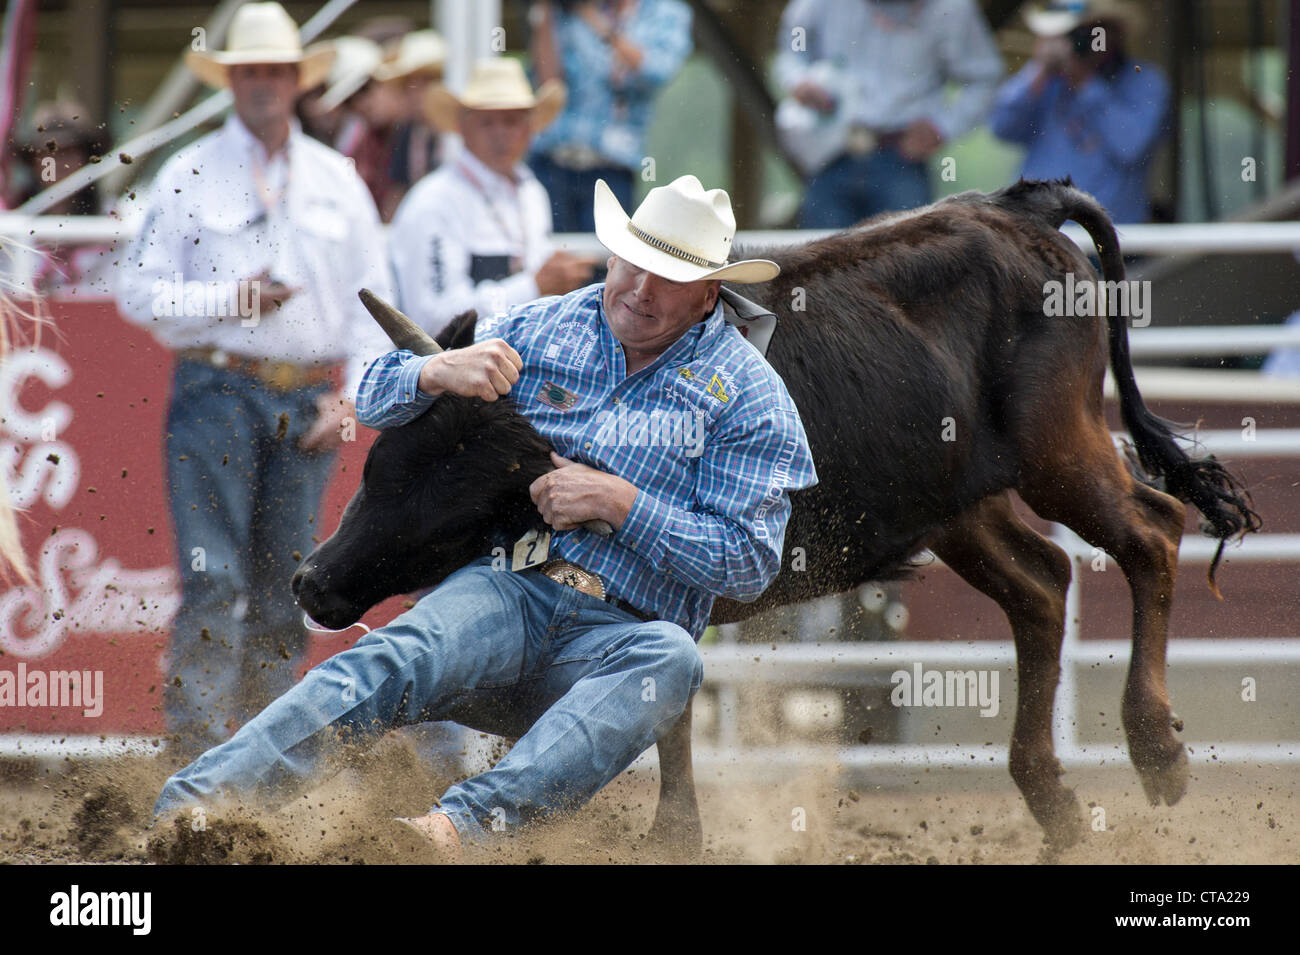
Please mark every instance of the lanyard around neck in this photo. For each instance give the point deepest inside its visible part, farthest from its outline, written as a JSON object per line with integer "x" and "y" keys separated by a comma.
{"x": 521, "y": 239}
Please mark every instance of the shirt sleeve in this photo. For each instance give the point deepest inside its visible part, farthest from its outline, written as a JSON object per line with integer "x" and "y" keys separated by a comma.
{"x": 731, "y": 543}
{"x": 1017, "y": 112}
{"x": 794, "y": 60}
{"x": 389, "y": 394}
{"x": 663, "y": 34}
{"x": 1127, "y": 116}
{"x": 371, "y": 272}
{"x": 432, "y": 267}
{"x": 147, "y": 290}
{"x": 971, "y": 60}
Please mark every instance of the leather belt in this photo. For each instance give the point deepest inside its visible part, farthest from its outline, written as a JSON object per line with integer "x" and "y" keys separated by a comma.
{"x": 578, "y": 158}
{"x": 571, "y": 575}
{"x": 862, "y": 140}
{"x": 280, "y": 375}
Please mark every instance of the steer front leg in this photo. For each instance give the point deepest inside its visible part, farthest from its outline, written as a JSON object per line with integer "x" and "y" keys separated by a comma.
{"x": 677, "y": 820}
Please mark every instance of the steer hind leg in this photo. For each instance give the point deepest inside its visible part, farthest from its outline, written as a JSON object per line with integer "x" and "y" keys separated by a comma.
{"x": 677, "y": 819}
{"x": 998, "y": 554}
{"x": 1082, "y": 484}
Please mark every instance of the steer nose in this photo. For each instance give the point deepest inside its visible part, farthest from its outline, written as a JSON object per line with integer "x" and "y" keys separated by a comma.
{"x": 327, "y": 609}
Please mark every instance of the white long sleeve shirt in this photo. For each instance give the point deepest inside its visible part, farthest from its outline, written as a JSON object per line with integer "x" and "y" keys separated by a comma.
{"x": 220, "y": 212}
{"x": 467, "y": 237}
{"x": 897, "y": 57}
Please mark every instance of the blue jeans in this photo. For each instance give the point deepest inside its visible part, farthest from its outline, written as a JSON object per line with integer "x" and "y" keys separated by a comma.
{"x": 853, "y": 188}
{"x": 242, "y": 501}
{"x": 586, "y": 686}
{"x": 573, "y": 192}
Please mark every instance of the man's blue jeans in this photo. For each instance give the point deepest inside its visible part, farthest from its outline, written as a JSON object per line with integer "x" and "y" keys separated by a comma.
{"x": 586, "y": 686}
{"x": 853, "y": 188}
{"x": 242, "y": 497}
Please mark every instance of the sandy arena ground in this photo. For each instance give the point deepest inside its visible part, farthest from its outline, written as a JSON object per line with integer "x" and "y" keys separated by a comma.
{"x": 98, "y": 812}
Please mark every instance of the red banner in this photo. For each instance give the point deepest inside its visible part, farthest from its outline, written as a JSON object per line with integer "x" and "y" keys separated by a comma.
{"x": 81, "y": 444}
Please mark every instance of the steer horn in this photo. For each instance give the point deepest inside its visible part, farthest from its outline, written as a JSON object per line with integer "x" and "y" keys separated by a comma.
{"x": 404, "y": 332}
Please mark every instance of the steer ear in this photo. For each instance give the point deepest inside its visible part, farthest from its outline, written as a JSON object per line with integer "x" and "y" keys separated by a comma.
{"x": 404, "y": 332}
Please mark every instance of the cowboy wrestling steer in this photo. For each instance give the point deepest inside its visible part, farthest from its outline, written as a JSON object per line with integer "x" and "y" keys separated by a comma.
{"x": 587, "y": 651}
{"x": 910, "y": 320}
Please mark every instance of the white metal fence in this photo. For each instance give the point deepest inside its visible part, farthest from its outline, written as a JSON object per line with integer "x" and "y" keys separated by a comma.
{"x": 728, "y": 664}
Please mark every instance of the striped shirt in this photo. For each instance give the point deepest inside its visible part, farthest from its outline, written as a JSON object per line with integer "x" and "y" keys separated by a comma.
{"x": 707, "y": 432}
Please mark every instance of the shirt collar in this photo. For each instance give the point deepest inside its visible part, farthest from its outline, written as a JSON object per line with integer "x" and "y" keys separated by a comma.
{"x": 490, "y": 177}
{"x": 250, "y": 144}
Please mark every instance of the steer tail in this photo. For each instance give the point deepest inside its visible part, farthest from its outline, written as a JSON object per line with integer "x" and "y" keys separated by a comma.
{"x": 1203, "y": 482}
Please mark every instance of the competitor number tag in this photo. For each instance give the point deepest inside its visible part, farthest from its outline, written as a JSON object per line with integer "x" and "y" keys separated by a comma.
{"x": 531, "y": 550}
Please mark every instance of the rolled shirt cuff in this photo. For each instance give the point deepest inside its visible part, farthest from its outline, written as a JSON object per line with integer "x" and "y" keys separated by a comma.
{"x": 645, "y": 527}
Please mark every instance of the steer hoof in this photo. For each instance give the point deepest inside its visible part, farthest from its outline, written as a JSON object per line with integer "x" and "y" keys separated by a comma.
{"x": 1167, "y": 782}
{"x": 1061, "y": 819}
{"x": 679, "y": 836}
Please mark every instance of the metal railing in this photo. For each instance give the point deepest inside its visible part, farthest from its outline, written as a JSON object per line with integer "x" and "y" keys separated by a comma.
{"x": 846, "y": 663}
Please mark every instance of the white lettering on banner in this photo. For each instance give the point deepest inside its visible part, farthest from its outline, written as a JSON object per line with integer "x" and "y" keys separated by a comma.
{"x": 95, "y": 596}
{"x": 53, "y": 372}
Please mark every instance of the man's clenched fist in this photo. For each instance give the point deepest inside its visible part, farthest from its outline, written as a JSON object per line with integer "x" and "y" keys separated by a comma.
{"x": 484, "y": 370}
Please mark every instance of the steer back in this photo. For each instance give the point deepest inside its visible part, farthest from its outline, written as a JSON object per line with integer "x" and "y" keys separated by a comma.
{"x": 918, "y": 350}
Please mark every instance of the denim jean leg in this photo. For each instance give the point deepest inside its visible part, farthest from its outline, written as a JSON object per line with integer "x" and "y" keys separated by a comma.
{"x": 830, "y": 200}
{"x": 475, "y": 630}
{"x": 209, "y": 463}
{"x": 896, "y": 183}
{"x": 287, "y": 496}
{"x": 616, "y": 685}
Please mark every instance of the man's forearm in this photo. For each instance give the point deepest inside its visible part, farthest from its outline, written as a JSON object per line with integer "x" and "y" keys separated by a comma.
{"x": 704, "y": 550}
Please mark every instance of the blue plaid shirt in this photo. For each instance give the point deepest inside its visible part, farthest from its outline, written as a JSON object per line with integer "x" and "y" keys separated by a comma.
{"x": 606, "y": 110}
{"x": 707, "y": 433}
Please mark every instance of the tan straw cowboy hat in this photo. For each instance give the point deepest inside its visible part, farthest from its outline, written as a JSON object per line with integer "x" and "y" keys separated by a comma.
{"x": 497, "y": 83}
{"x": 679, "y": 232}
{"x": 261, "y": 33}
{"x": 355, "y": 59}
{"x": 420, "y": 51}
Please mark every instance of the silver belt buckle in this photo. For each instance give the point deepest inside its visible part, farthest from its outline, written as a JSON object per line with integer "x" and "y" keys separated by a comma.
{"x": 860, "y": 140}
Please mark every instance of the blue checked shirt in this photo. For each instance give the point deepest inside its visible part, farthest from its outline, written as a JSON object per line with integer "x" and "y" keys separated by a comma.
{"x": 609, "y": 109}
{"x": 707, "y": 433}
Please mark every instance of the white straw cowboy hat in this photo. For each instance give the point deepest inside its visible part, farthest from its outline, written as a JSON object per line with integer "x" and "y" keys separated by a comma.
{"x": 420, "y": 51}
{"x": 679, "y": 232}
{"x": 355, "y": 59}
{"x": 261, "y": 33}
{"x": 497, "y": 83}
{"x": 1061, "y": 16}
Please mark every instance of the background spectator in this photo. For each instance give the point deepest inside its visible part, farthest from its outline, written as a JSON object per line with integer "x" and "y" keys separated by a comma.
{"x": 268, "y": 235}
{"x": 477, "y": 232}
{"x": 878, "y": 69}
{"x": 613, "y": 57}
{"x": 414, "y": 149}
{"x": 1084, "y": 108}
